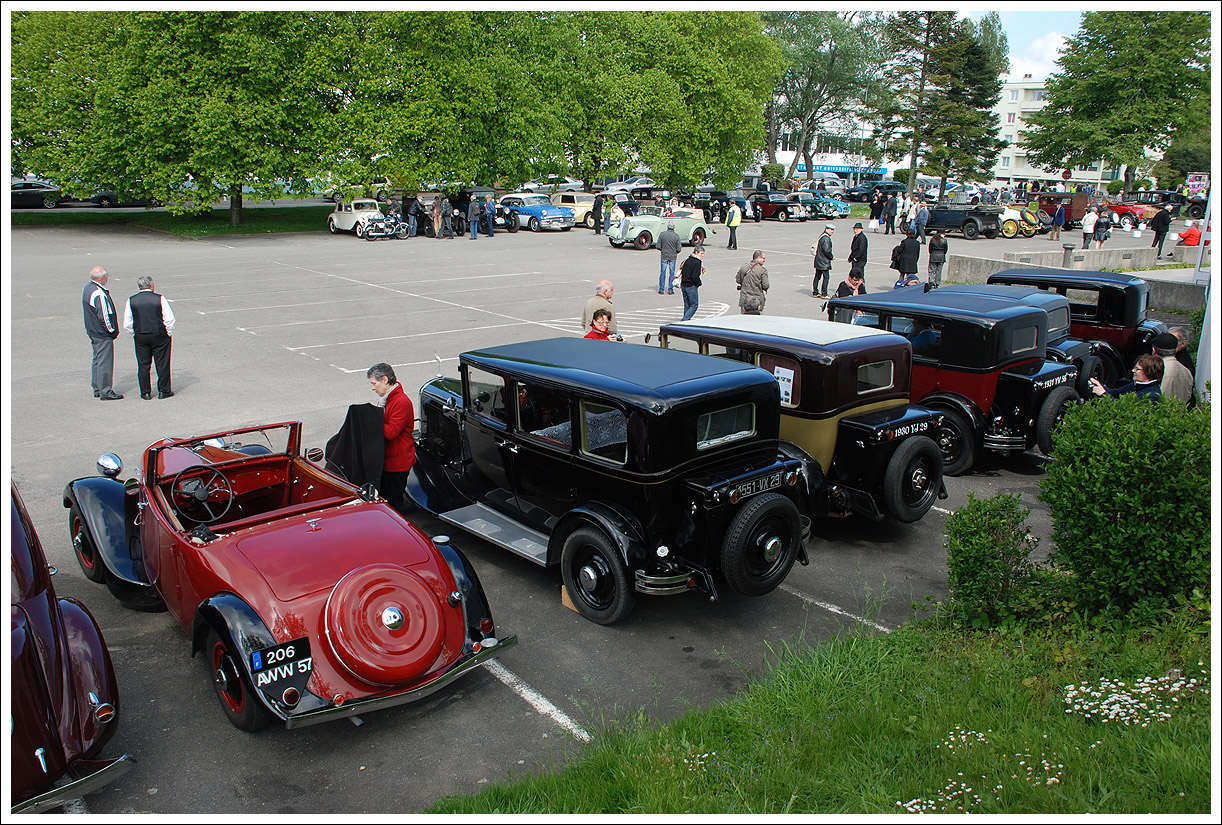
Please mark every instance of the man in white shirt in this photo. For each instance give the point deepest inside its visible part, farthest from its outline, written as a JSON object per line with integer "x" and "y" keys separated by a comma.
{"x": 150, "y": 320}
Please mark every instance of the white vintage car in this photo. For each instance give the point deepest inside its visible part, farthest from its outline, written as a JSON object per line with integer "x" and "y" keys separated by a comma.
{"x": 350, "y": 216}
{"x": 642, "y": 229}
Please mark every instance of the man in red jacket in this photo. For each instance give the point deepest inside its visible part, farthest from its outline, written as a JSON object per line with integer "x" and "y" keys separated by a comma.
{"x": 399, "y": 420}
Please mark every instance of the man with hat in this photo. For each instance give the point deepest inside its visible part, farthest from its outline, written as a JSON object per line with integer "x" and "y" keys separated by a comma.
{"x": 1160, "y": 224}
{"x": 822, "y": 250}
{"x": 857, "y": 251}
{"x": 1177, "y": 380}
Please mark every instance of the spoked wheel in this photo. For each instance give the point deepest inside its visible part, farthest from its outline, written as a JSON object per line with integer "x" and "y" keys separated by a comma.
{"x": 1009, "y": 228}
{"x": 595, "y": 576}
{"x": 243, "y": 709}
{"x": 761, "y": 544}
{"x": 697, "y": 237}
{"x": 912, "y": 479}
{"x": 82, "y": 546}
{"x": 957, "y": 443}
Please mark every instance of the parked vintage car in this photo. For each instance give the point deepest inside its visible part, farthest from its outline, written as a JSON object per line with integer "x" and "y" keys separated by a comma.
{"x": 714, "y": 203}
{"x": 350, "y": 216}
{"x": 312, "y": 599}
{"x": 972, "y": 221}
{"x": 642, "y": 229}
{"x": 36, "y": 194}
{"x": 62, "y": 683}
{"x": 1128, "y": 216}
{"x": 1076, "y": 206}
{"x": 844, "y": 408}
{"x": 645, "y": 194}
{"x": 1106, "y": 309}
{"x": 535, "y": 212}
{"x": 979, "y": 361}
{"x": 957, "y": 193}
{"x": 553, "y": 183}
{"x": 462, "y": 199}
{"x": 1021, "y": 219}
{"x": 776, "y": 205}
{"x": 1191, "y": 206}
{"x": 582, "y": 204}
{"x": 820, "y": 205}
{"x": 380, "y": 190}
{"x": 633, "y": 468}
{"x": 865, "y": 191}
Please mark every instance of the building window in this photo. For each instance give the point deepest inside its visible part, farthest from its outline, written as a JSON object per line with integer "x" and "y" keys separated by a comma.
{"x": 1014, "y": 95}
{"x": 1039, "y": 94}
{"x": 1011, "y": 117}
{"x": 1009, "y": 137}
{"x": 1005, "y": 163}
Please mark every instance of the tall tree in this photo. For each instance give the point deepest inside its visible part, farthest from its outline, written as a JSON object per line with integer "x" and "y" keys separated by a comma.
{"x": 1127, "y": 81}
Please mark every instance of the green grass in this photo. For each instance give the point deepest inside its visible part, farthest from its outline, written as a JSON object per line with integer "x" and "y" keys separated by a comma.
{"x": 216, "y": 222}
{"x": 920, "y": 720}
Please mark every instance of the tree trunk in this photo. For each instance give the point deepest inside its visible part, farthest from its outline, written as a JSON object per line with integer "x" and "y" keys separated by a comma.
{"x": 1130, "y": 175}
{"x": 920, "y": 107}
{"x": 774, "y": 131}
{"x": 235, "y": 205}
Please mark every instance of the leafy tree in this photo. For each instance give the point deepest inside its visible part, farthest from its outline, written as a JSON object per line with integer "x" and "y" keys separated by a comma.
{"x": 1127, "y": 81}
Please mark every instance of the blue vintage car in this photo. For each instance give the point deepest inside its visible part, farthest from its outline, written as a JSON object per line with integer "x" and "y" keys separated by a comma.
{"x": 821, "y": 205}
{"x": 536, "y": 212}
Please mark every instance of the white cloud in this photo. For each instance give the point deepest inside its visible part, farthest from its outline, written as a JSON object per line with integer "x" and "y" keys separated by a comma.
{"x": 1038, "y": 59}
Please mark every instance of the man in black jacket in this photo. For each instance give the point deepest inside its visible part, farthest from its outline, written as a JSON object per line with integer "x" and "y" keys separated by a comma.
{"x": 102, "y": 327}
{"x": 150, "y": 320}
{"x": 857, "y": 250}
{"x": 1160, "y": 224}
{"x": 596, "y": 212}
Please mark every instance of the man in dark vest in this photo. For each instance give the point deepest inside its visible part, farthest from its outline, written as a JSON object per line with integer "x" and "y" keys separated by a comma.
{"x": 102, "y": 327}
{"x": 150, "y": 320}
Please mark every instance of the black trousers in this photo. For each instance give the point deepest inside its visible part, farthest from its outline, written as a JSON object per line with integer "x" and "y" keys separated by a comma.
{"x": 154, "y": 348}
{"x": 394, "y": 490}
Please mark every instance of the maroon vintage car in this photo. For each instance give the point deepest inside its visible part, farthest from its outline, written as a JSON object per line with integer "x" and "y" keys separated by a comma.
{"x": 65, "y": 699}
{"x": 312, "y": 599}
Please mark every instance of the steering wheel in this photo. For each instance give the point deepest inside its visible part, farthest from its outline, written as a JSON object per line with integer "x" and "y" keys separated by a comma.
{"x": 194, "y": 487}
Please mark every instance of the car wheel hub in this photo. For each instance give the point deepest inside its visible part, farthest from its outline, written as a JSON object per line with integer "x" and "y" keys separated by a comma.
{"x": 589, "y": 576}
{"x": 771, "y": 546}
{"x": 392, "y": 618}
{"x": 222, "y": 681}
{"x": 919, "y": 479}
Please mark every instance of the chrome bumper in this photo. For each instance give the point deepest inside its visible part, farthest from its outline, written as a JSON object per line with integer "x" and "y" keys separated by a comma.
{"x": 358, "y": 706}
{"x": 56, "y": 797}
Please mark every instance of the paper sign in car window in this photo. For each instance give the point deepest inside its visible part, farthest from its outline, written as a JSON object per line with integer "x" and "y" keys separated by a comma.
{"x": 784, "y": 377}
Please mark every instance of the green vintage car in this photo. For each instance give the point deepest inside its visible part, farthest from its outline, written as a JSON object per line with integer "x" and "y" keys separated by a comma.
{"x": 642, "y": 229}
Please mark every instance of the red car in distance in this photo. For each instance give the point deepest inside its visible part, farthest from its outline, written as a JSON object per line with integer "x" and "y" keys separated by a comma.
{"x": 65, "y": 701}
{"x": 312, "y": 599}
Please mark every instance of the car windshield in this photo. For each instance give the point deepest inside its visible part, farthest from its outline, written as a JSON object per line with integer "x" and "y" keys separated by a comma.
{"x": 656, "y": 211}
{"x": 535, "y": 200}
{"x": 260, "y": 441}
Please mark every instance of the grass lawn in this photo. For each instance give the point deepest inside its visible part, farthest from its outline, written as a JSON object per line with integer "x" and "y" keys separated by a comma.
{"x": 258, "y": 221}
{"x": 1061, "y": 722}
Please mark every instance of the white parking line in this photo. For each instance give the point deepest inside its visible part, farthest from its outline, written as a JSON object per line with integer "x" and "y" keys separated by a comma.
{"x": 535, "y": 699}
{"x": 831, "y": 608}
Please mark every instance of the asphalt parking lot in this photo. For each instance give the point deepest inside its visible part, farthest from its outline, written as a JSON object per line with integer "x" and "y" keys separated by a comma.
{"x": 283, "y": 328}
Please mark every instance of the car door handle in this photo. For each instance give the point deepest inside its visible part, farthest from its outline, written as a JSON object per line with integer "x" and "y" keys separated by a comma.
{"x": 513, "y": 448}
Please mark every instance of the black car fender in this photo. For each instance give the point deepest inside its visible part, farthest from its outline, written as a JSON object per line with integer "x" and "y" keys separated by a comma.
{"x": 622, "y": 528}
{"x": 240, "y": 627}
{"x": 1114, "y": 362}
{"x": 474, "y": 601}
{"x": 816, "y": 483}
{"x": 104, "y": 506}
{"x": 965, "y": 407}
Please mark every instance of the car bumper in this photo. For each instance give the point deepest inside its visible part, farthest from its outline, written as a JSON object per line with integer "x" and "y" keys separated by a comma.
{"x": 555, "y": 223}
{"x": 372, "y": 703}
{"x": 101, "y": 773}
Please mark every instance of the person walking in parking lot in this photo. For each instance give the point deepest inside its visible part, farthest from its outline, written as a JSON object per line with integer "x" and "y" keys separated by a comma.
{"x": 596, "y": 214}
{"x": 890, "y": 209}
{"x": 690, "y": 283}
{"x": 1058, "y": 220}
{"x": 823, "y": 261}
{"x": 670, "y": 245}
{"x": 490, "y": 213}
{"x": 1088, "y": 226}
{"x": 752, "y": 280}
{"x": 473, "y": 210}
{"x": 920, "y": 220}
{"x": 435, "y": 213}
{"x": 1160, "y": 225}
{"x": 150, "y": 320}
{"x": 733, "y": 218}
{"x": 102, "y": 327}
{"x": 447, "y": 219}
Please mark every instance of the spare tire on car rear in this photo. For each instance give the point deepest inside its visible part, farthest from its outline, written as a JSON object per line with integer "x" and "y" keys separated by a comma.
{"x": 761, "y": 544}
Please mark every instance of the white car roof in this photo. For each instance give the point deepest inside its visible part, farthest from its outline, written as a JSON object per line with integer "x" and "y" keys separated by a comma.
{"x": 809, "y": 330}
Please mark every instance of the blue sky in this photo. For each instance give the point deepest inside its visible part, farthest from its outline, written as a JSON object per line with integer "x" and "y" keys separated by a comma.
{"x": 1035, "y": 37}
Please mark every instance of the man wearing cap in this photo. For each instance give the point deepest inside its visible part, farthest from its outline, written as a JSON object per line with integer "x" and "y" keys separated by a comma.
{"x": 857, "y": 250}
{"x": 822, "y": 250}
{"x": 1160, "y": 224}
{"x": 1177, "y": 380}
{"x": 670, "y": 245}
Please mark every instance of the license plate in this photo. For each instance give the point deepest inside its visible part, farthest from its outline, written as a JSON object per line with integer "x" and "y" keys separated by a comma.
{"x": 282, "y": 665}
{"x": 757, "y": 485}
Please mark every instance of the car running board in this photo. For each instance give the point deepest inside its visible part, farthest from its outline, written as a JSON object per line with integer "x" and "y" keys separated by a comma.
{"x": 501, "y": 530}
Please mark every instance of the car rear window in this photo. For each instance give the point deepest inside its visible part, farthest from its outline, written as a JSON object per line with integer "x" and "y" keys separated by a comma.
{"x": 1023, "y": 339}
{"x": 604, "y": 432}
{"x": 879, "y": 375}
{"x": 714, "y": 429}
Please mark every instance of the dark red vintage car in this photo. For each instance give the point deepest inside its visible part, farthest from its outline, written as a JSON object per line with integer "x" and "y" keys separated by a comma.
{"x": 312, "y": 599}
{"x": 65, "y": 698}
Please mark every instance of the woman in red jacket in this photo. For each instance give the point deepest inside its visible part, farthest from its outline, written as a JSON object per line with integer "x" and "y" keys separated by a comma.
{"x": 399, "y": 420}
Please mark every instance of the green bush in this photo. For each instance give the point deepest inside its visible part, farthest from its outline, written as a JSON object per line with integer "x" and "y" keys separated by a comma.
{"x": 1143, "y": 182}
{"x": 1115, "y": 187}
{"x": 1130, "y": 499}
{"x": 772, "y": 172}
{"x": 988, "y": 555}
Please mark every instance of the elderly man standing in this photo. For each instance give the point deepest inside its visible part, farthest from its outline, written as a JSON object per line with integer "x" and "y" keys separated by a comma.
{"x": 102, "y": 327}
{"x": 603, "y": 291}
{"x": 823, "y": 261}
{"x": 1177, "y": 380}
{"x": 752, "y": 280}
{"x": 150, "y": 320}
{"x": 670, "y": 245}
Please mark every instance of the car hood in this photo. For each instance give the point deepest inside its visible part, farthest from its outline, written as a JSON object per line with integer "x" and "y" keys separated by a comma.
{"x": 310, "y": 552}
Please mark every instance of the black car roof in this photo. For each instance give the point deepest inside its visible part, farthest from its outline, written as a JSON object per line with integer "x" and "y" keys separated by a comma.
{"x": 648, "y": 376}
{"x": 1076, "y": 279}
{"x": 963, "y": 306}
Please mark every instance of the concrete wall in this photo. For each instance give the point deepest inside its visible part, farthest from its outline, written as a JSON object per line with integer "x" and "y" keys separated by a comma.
{"x": 1172, "y": 296}
{"x": 1091, "y": 259}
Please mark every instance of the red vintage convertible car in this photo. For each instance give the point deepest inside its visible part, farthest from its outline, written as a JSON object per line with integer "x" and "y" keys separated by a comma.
{"x": 312, "y": 599}
{"x": 65, "y": 699}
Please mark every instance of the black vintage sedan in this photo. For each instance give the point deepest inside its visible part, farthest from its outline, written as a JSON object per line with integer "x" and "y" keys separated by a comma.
{"x": 36, "y": 194}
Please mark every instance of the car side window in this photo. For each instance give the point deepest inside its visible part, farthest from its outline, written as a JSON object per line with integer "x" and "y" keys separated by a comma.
{"x": 604, "y": 432}
{"x": 788, "y": 376}
{"x": 1083, "y": 303}
{"x": 545, "y": 413}
{"x": 682, "y": 344}
{"x": 732, "y": 353}
{"x": 487, "y": 395}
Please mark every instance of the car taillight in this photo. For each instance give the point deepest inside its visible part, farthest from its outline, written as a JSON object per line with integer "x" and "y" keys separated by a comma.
{"x": 485, "y": 625}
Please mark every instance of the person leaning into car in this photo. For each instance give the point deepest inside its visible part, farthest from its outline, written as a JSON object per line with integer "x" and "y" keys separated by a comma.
{"x": 150, "y": 320}
{"x": 399, "y": 419}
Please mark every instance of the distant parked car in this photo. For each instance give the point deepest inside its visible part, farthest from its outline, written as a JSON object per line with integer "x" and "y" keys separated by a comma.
{"x": 582, "y": 204}
{"x": 554, "y": 183}
{"x": 62, "y": 682}
{"x": 776, "y": 205}
{"x": 865, "y": 191}
{"x": 636, "y": 180}
{"x": 820, "y": 205}
{"x": 108, "y": 198}
{"x": 28, "y": 194}
{"x": 381, "y": 190}
{"x": 536, "y": 212}
{"x": 642, "y": 230}
{"x": 351, "y": 216}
